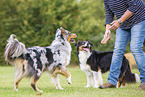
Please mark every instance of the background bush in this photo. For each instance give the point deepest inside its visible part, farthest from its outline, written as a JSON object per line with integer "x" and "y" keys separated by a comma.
{"x": 35, "y": 22}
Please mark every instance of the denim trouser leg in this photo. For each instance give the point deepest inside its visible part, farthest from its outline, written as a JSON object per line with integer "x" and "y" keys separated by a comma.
{"x": 136, "y": 47}
{"x": 137, "y": 34}
{"x": 122, "y": 39}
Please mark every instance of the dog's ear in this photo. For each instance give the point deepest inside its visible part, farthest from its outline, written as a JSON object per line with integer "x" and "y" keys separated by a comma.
{"x": 76, "y": 43}
{"x": 90, "y": 43}
{"x": 63, "y": 31}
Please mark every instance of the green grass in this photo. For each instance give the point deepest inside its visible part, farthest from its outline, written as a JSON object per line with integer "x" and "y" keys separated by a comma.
{"x": 77, "y": 88}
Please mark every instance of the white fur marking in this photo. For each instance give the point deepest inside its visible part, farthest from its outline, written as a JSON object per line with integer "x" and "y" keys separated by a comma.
{"x": 137, "y": 77}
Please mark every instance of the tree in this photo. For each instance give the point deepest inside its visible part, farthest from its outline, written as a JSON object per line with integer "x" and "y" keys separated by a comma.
{"x": 36, "y": 21}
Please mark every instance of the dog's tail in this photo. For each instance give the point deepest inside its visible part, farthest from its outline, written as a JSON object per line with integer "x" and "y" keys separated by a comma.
{"x": 127, "y": 75}
{"x": 131, "y": 77}
{"x": 14, "y": 49}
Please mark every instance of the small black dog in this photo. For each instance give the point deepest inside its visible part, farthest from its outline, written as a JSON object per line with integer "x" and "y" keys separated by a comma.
{"x": 94, "y": 63}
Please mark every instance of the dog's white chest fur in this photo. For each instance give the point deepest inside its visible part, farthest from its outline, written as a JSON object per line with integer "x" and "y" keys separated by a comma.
{"x": 62, "y": 53}
{"x": 83, "y": 57}
{"x": 94, "y": 78}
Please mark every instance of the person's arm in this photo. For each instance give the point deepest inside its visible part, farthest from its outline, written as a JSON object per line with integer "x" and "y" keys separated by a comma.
{"x": 109, "y": 15}
{"x": 125, "y": 16}
{"x": 134, "y": 6}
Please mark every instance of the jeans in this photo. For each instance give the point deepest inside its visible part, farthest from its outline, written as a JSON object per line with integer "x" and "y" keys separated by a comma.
{"x": 137, "y": 35}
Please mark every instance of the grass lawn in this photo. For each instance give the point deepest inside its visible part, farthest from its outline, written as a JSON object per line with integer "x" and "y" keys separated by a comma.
{"x": 77, "y": 88}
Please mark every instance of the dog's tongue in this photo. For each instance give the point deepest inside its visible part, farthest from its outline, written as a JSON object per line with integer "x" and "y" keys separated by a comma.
{"x": 86, "y": 49}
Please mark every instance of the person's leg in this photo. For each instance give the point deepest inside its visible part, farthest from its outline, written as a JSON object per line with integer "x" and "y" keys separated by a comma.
{"x": 122, "y": 39}
{"x": 136, "y": 46}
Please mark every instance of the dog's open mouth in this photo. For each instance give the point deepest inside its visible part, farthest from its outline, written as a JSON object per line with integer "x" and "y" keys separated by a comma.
{"x": 86, "y": 49}
{"x": 72, "y": 40}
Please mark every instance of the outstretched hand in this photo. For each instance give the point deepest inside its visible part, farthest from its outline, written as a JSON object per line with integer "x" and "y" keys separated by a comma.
{"x": 115, "y": 24}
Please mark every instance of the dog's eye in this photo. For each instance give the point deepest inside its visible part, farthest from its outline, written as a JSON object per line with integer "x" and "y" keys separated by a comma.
{"x": 68, "y": 32}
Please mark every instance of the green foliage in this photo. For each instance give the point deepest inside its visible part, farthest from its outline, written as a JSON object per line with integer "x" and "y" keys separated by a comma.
{"x": 35, "y": 22}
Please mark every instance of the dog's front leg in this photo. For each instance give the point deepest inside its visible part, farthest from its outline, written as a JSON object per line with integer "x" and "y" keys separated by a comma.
{"x": 64, "y": 72}
{"x": 57, "y": 81}
{"x": 96, "y": 84}
{"x": 89, "y": 78}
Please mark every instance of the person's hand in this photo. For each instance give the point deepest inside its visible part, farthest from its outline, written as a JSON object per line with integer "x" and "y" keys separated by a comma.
{"x": 115, "y": 24}
{"x": 107, "y": 37}
{"x": 107, "y": 32}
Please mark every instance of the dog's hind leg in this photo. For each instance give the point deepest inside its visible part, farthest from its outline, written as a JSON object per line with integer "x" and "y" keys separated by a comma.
{"x": 16, "y": 84}
{"x": 100, "y": 79}
{"x": 19, "y": 71}
{"x": 34, "y": 83}
{"x": 121, "y": 82}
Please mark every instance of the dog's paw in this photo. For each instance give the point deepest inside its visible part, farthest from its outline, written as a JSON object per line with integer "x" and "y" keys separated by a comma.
{"x": 122, "y": 86}
{"x": 15, "y": 89}
{"x": 59, "y": 88}
{"x": 95, "y": 86}
{"x": 69, "y": 80}
{"x": 70, "y": 83}
{"x": 87, "y": 86}
{"x": 40, "y": 91}
{"x": 100, "y": 83}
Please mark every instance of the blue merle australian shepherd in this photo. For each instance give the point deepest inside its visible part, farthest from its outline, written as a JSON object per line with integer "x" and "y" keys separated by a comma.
{"x": 30, "y": 62}
{"x": 94, "y": 63}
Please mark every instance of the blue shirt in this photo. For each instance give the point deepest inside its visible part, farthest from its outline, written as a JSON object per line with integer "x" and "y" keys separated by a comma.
{"x": 119, "y": 7}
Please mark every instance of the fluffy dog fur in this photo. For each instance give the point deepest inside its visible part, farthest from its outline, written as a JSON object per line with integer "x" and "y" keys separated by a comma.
{"x": 94, "y": 63}
{"x": 30, "y": 62}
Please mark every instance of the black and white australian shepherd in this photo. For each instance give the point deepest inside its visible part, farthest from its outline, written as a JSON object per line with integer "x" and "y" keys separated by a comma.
{"x": 30, "y": 62}
{"x": 94, "y": 63}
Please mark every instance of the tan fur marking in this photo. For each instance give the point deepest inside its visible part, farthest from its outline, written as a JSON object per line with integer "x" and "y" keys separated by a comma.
{"x": 80, "y": 48}
{"x": 99, "y": 69}
{"x": 35, "y": 83}
{"x": 19, "y": 71}
{"x": 65, "y": 62}
{"x": 17, "y": 84}
{"x": 63, "y": 33}
{"x": 71, "y": 36}
{"x": 19, "y": 74}
{"x": 118, "y": 84}
{"x": 18, "y": 62}
{"x": 131, "y": 59}
{"x": 62, "y": 72}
